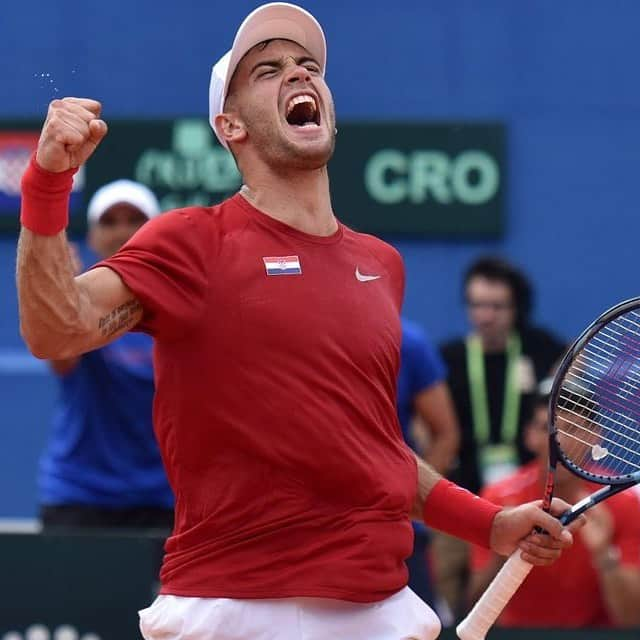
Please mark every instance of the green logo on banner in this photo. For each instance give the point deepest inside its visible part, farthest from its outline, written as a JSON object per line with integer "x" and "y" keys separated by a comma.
{"x": 193, "y": 171}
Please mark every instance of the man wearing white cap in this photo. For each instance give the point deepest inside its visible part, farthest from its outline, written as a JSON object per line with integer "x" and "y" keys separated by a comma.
{"x": 102, "y": 466}
{"x": 277, "y": 335}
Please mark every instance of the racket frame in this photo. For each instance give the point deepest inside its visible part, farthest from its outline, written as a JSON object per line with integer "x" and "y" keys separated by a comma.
{"x": 614, "y": 484}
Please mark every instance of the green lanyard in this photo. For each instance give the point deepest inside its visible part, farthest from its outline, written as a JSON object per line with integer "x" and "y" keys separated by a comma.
{"x": 478, "y": 387}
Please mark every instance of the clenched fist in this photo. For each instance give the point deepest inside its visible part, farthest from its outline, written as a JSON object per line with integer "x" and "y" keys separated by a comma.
{"x": 71, "y": 132}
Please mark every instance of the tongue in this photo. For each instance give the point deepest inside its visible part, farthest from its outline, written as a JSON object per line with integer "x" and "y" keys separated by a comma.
{"x": 301, "y": 114}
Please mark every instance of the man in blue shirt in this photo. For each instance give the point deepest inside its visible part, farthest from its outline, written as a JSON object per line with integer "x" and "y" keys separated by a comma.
{"x": 425, "y": 405}
{"x": 102, "y": 467}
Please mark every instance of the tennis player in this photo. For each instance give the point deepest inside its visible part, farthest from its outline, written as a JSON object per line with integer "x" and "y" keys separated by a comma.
{"x": 277, "y": 334}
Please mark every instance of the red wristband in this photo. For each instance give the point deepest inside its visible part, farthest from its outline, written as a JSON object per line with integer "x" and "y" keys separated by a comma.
{"x": 45, "y": 199}
{"x": 459, "y": 512}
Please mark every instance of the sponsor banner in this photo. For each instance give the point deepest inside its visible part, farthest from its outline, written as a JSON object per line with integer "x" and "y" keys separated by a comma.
{"x": 429, "y": 179}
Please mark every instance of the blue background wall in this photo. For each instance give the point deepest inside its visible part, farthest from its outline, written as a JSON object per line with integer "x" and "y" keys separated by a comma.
{"x": 561, "y": 74}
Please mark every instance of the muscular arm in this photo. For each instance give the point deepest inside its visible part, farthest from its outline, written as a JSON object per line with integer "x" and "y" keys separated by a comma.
{"x": 62, "y": 316}
{"x": 435, "y": 408}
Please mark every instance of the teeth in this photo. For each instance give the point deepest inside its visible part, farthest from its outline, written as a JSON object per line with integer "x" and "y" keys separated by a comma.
{"x": 299, "y": 100}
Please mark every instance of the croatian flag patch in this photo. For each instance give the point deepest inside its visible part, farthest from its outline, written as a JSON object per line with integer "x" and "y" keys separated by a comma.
{"x": 282, "y": 266}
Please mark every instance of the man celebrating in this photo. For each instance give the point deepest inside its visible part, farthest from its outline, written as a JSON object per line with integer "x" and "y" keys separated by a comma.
{"x": 277, "y": 334}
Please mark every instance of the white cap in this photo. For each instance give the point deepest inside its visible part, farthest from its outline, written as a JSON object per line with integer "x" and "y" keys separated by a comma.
{"x": 276, "y": 20}
{"x": 122, "y": 192}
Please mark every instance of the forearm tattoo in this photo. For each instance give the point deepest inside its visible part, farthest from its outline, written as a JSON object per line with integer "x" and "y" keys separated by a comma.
{"x": 119, "y": 318}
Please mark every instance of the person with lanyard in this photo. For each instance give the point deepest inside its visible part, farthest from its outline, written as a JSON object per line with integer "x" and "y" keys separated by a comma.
{"x": 493, "y": 373}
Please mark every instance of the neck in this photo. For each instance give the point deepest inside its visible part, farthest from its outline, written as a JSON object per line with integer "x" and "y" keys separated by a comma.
{"x": 494, "y": 344}
{"x": 299, "y": 198}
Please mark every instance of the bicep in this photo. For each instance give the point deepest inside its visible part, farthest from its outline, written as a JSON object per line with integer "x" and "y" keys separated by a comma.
{"x": 109, "y": 307}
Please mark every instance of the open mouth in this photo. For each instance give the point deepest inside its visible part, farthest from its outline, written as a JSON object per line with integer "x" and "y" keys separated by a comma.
{"x": 302, "y": 111}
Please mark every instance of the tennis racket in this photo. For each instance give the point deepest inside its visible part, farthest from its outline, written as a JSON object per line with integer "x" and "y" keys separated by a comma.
{"x": 594, "y": 431}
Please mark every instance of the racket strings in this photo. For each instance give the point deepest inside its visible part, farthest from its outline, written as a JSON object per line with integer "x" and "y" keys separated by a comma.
{"x": 601, "y": 439}
{"x": 588, "y": 409}
{"x": 632, "y": 380}
{"x": 602, "y": 359}
{"x": 597, "y": 412}
{"x": 620, "y": 393}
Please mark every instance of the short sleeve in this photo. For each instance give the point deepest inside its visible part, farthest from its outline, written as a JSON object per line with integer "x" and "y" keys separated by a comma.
{"x": 164, "y": 265}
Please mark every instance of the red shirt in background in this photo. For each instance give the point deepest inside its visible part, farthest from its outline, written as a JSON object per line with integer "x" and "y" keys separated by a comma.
{"x": 275, "y": 406}
{"x": 567, "y": 593}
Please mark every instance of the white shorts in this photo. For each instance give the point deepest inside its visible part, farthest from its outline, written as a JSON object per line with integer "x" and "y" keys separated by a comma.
{"x": 403, "y": 616}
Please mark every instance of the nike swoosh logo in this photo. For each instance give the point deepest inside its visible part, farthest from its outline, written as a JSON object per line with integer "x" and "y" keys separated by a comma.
{"x": 362, "y": 278}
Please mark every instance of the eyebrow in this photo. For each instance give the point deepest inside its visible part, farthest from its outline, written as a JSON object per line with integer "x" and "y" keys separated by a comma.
{"x": 280, "y": 61}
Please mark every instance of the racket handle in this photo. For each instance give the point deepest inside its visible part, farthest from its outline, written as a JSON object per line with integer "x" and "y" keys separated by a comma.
{"x": 494, "y": 599}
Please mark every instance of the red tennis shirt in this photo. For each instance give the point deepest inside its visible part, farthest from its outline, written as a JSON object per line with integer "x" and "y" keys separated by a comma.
{"x": 567, "y": 593}
{"x": 276, "y": 358}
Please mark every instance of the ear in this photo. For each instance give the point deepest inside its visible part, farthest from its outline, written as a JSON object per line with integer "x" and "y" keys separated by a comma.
{"x": 231, "y": 127}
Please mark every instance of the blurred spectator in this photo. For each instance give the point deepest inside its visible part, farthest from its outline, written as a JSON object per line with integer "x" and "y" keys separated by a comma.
{"x": 492, "y": 372}
{"x": 102, "y": 466}
{"x": 596, "y": 583}
{"x": 424, "y": 403}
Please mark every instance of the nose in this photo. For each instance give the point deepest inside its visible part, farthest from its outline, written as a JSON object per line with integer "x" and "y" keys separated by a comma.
{"x": 482, "y": 315}
{"x": 297, "y": 73}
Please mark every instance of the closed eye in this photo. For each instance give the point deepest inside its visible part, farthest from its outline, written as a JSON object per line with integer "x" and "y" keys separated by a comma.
{"x": 270, "y": 71}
